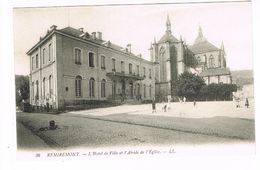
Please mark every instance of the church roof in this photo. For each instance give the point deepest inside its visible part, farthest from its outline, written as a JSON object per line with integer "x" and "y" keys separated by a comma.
{"x": 201, "y": 44}
{"x": 203, "y": 47}
{"x": 215, "y": 72}
{"x": 168, "y": 37}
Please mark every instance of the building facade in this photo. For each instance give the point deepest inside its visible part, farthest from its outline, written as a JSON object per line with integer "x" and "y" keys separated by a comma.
{"x": 69, "y": 66}
{"x": 173, "y": 56}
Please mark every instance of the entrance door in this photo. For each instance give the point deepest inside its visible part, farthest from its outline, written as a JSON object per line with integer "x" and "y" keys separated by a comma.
{"x": 114, "y": 89}
{"x": 131, "y": 90}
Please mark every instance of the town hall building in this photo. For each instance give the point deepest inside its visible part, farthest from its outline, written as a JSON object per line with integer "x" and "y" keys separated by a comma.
{"x": 70, "y": 66}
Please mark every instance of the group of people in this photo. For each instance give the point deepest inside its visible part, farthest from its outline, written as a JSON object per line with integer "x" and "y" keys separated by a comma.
{"x": 238, "y": 103}
{"x": 167, "y": 105}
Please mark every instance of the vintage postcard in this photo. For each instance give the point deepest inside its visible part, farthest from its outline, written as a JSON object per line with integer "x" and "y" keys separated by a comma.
{"x": 134, "y": 80}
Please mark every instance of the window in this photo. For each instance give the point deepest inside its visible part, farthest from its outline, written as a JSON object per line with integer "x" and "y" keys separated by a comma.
{"x": 144, "y": 91}
{"x": 113, "y": 64}
{"x": 78, "y": 81}
{"x": 122, "y": 66}
{"x": 199, "y": 59}
{"x": 130, "y": 68}
{"x": 37, "y": 61}
{"x": 150, "y": 91}
{"x": 92, "y": 87}
{"x": 211, "y": 61}
{"x": 43, "y": 56}
{"x": 32, "y": 63}
{"x": 144, "y": 71}
{"x": 103, "y": 88}
{"x": 77, "y": 54}
{"x": 150, "y": 73}
{"x": 37, "y": 90}
{"x": 91, "y": 59}
{"x": 32, "y": 90}
{"x": 50, "y": 85}
{"x": 50, "y": 52}
{"x": 103, "y": 62}
{"x": 43, "y": 88}
{"x": 113, "y": 89}
{"x": 137, "y": 69}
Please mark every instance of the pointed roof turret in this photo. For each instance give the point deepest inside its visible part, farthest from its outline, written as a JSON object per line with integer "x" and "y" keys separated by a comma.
{"x": 200, "y": 38}
{"x": 168, "y": 24}
{"x": 168, "y": 37}
{"x": 222, "y": 48}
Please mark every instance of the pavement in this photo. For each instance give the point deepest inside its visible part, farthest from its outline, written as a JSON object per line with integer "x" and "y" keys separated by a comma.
{"x": 136, "y": 125}
{"x": 27, "y": 140}
{"x": 182, "y": 110}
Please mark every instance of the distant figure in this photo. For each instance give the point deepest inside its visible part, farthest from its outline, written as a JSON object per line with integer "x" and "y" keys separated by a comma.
{"x": 153, "y": 106}
{"x": 247, "y": 103}
{"x": 184, "y": 99}
{"x": 168, "y": 105}
{"x": 121, "y": 97}
{"x": 194, "y": 103}
{"x": 238, "y": 102}
{"x": 164, "y": 107}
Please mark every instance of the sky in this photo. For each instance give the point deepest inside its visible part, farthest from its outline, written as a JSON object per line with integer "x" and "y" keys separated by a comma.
{"x": 139, "y": 25}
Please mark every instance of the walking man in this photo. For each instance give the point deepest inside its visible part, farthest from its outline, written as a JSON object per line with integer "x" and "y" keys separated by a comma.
{"x": 247, "y": 103}
{"x": 153, "y": 105}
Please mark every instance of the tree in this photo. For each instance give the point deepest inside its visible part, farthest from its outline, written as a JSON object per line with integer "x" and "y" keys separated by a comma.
{"x": 215, "y": 91}
{"x": 188, "y": 85}
{"x": 22, "y": 89}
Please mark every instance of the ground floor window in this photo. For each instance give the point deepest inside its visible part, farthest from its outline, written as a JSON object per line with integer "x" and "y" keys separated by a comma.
{"x": 78, "y": 82}
{"x": 113, "y": 88}
{"x": 150, "y": 91}
{"x": 92, "y": 87}
{"x": 144, "y": 91}
{"x": 103, "y": 88}
{"x": 43, "y": 88}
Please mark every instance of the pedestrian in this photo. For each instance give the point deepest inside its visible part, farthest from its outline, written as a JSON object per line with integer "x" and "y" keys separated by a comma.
{"x": 153, "y": 105}
{"x": 247, "y": 103}
{"x": 238, "y": 102}
{"x": 194, "y": 103}
{"x": 164, "y": 107}
{"x": 184, "y": 99}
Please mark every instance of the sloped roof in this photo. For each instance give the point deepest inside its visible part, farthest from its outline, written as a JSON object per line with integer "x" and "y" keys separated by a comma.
{"x": 215, "y": 72}
{"x": 203, "y": 47}
{"x": 168, "y": 37}
{"x": 77, "y": 33}
{"x": 71, "y": 31}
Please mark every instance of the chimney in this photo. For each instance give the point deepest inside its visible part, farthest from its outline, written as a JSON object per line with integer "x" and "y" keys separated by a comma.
{"x": 128, "y": 46}
{"x": 99, "y": 34}
{"x": 108, "y": 43}
{"x": 94, "y": 35}
{"x": 81, "y": 29}
{"x": 53, "y": 27}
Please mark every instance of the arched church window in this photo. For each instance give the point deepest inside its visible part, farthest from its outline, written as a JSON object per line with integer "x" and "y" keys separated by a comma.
{"x": 211, "y": 61}
{"x": 199, "y": 59}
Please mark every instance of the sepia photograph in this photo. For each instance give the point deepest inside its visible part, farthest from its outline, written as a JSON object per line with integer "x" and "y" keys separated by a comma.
{"x": 176, "y": 76}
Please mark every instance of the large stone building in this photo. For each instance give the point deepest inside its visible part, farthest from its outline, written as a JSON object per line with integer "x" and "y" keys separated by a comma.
{"x": 173, "y": 57}
{"x": 69, "y": 66}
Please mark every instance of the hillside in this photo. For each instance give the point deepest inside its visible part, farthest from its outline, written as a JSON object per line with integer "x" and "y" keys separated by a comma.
{"x": 242, "y": 77}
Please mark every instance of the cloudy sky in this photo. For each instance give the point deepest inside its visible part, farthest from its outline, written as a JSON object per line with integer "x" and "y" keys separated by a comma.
{"x": 140, "y": 24}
